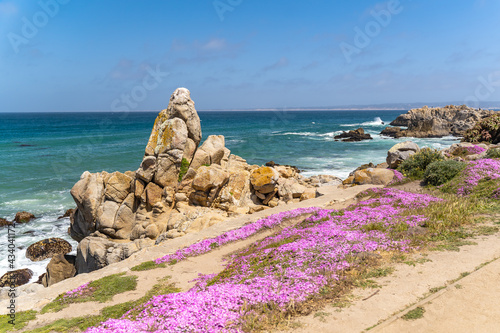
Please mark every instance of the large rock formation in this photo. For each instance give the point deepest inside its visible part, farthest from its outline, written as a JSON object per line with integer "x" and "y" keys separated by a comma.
{"x": 436, "y": 122}
{"x": 178, "y": 188}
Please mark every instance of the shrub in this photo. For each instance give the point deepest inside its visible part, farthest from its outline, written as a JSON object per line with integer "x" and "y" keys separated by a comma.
{"x": 414, "y": 167}
{"x": 440, "y": 172}
{"x": 184, "y": 168}
{"x": 486, "y": 130}
{"x": 493, "y": 153}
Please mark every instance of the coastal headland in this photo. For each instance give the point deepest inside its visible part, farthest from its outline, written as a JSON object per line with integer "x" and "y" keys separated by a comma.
{"x": 184, "y": 195}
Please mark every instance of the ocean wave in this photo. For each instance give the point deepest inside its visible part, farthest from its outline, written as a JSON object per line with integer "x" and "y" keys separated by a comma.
{"x": 310, "y": 134}
{"x": 377, "y": 121}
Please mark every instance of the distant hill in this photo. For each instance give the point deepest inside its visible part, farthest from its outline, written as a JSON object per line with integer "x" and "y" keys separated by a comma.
{"x": 385, "y": 106}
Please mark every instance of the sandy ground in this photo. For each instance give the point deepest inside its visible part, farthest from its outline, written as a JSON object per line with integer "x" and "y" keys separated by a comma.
{"x": 470, "y": 304}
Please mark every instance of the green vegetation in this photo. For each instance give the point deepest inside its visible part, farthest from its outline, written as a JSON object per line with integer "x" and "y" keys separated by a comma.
{"x": 21, "y": 319}
{"x": 493, "y": 153}
{"x": 146, "y": 266}
{"x": 321, "y": 315}
{"x": 113, "y": 312}
{"x": 101, "y": 290}
{"x": 184, "y": 168}
{"x": 440, "y": 172}
{"x": 416, "y": 313}
{"x": 486, "y": 130}
{"x": 414, "y": 167}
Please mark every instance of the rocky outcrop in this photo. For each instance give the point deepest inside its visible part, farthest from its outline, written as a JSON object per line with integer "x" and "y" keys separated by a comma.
{"x": 179, "y": 188}
{"x": 437, "y": 122}
{"x": 16, "y": 278}
{"x": 47, "y": 248}
{"x": 4, "y": 222}
{"x": 97, "y": 252}
{"x": 355, "y": 135}
{"x": 400, "y": 152}
{"x": 23, "y": 217}
{"x": 393, "y": 132}
{"x": 486, "y": 130}
{"x": 60, "y": 267}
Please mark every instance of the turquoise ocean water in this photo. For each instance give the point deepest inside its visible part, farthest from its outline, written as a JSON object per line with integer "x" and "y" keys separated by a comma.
{"x": 43, "y": 154}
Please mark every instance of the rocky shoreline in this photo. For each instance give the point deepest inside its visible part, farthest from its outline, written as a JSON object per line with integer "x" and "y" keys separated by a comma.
{"x": 436, "y": 122}
{"x": 182, "y": 187}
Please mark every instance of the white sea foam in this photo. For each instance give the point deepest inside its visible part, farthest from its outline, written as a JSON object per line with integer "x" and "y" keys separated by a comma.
{"x": 377, "y": 121}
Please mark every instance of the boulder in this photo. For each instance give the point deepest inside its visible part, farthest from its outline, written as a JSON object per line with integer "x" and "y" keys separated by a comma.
{"x": 23, "y": 217}
{"x": 400, "y": 152}
{"x": 309, "y": 193}
{"x": 147, "y": 169}
{"x": 60, "y": 267}
{"x": 94, "y": 253}
{"x": 375, "y": 176}
{"x": 210, "y": 152}
{"x": 355, "y": 135}
{"x": 16, "y": 278}
{"x": 208, "y": 182}
{"x": 237, "y": 190}
{"x": 117, "y": 187}
{"x": 4, "y": 222}
{"x": 67, "y": 213}
{"x": 289, "y": 188}
{"x": 47, "y": 248}
{"x": 264, "y": 179}
{"x": 88, "y": 194}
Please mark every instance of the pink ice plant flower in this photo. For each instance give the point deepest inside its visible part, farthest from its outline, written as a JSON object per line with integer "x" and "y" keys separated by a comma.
{"x": 477, "y": 170}
{"x": 472, "y": 150}
{"x": 244, "y": 232}
{"x": 286, "y": 268}
{"x": 398, "y": 177}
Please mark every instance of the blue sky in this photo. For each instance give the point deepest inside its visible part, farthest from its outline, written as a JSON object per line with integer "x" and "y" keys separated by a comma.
{"x": 75, "y": 55}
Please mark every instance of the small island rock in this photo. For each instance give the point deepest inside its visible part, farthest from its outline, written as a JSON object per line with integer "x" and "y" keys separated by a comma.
{"x": 47, "y": 248}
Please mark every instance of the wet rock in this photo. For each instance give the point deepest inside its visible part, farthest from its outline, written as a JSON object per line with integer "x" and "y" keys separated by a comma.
{"x": 355, "y": 135}
{"x": 47, "y": 248}
{"x": 4, "y": 222}
{"x": 16, "y": 278}
{"x": 67, "y": 213}
{"x": 23, "y": 217}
